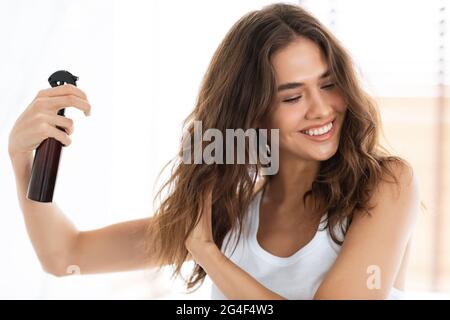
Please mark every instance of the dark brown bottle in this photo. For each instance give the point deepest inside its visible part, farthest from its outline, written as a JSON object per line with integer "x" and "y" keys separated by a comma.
{"x": 48, "y": 153}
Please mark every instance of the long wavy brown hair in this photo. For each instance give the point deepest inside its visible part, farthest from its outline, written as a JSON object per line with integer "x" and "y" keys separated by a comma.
{"x": 237, "y": 91}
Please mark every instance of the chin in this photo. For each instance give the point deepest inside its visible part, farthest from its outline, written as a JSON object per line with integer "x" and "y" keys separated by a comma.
{"x": 325, "y": 158}
{"x": 322, "y": 153}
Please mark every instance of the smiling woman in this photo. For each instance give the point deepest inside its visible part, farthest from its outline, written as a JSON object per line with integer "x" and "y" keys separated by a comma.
{"x": 279, "y": 68}
{"x": 334, "y": 221}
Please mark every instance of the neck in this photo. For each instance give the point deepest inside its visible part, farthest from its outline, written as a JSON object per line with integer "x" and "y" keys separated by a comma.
{"x": 294, "y": 178}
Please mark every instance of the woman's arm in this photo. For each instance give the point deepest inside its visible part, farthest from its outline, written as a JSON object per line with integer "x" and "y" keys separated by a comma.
{"x": 62, "y": 249}
{"x": 374, "y": 245}
{"x": 233, "y": 282}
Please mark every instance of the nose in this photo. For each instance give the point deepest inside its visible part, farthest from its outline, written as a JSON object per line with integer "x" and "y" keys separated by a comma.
{"x": 318, "y": 107}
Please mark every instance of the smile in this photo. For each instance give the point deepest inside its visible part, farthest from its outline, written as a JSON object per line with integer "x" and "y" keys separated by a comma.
{"x": 320, "y": 134}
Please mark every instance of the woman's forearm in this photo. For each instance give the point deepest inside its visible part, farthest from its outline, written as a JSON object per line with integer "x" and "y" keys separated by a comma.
{"x": 232, "y": 281}
{"x": 50, "y": 232}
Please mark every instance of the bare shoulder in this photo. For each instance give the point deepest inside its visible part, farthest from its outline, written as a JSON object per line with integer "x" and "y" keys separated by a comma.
{"x": 404, "y": 176}
{"x": 378, "y": 239}
{"x": 398, "y": 188}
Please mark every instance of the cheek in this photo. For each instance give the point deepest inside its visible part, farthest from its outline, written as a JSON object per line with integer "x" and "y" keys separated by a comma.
{"x": 341, "y": 107}
{"x": 286, "y": 118}
{"x": 339, "y": 103}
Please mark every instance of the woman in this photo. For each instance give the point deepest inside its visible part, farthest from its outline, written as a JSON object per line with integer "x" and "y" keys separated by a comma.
{"x": 333, "y": 223}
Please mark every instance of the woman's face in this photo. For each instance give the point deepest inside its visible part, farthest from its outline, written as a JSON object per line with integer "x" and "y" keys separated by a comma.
{"x": 309, "y": 109}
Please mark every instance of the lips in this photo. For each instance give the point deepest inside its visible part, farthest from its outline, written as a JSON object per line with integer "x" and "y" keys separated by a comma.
{"x": 318, "y": 130}
{"x": 316, "y": 126}
{"x": 320, "y": 133}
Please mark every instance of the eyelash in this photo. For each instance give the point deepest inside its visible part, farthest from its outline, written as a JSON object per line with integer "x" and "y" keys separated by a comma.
{"x": 328, "y": 86}
{"x": 295, "y": 99}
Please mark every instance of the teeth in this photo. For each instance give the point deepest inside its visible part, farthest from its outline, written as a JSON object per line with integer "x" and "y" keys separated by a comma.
{"x": 319, "y": 131}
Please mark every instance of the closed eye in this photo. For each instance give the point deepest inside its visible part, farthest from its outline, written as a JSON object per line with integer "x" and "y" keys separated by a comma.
{"x": 292, "y": 100}
{"x": 295, "y": 99}
{"x": 328, "y": 86}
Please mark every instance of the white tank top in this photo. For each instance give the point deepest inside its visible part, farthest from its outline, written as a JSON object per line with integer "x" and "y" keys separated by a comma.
{"x": 295, "y": 277}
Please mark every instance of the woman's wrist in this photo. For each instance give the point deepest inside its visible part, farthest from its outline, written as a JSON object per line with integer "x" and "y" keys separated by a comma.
{"x": 21, "y": 161}
{"x": 22, "y": 166}
{"x": 202, "y": 251}
{"x": 19, "y": 157}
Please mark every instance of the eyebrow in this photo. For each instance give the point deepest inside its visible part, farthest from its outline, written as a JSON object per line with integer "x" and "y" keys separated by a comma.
{"x": 293, "y": 85}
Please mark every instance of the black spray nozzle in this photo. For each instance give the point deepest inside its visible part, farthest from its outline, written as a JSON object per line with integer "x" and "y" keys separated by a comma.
{"x": 60, "y": 77}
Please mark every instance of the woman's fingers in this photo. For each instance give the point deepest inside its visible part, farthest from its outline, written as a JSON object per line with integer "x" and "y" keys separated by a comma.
{"x": 66, "y": 89}
{"x": 63, "y": 122}
{"x": 63, "y": 96}
{"x": 54, "y": 104}
{"x": 59, "y": 135}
